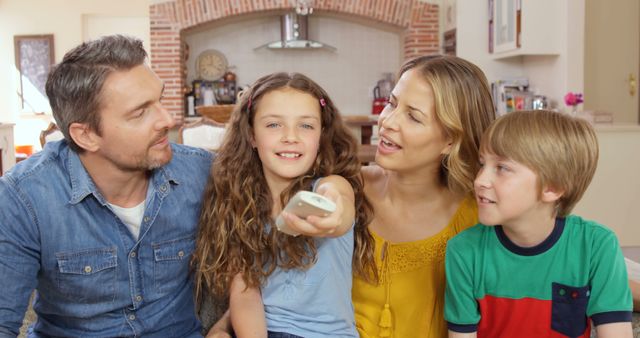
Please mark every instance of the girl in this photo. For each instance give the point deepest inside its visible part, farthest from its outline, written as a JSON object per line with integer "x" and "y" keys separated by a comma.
{"x": 285, "y": 135}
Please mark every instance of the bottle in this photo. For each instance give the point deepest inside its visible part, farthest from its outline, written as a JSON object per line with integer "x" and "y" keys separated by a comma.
{"x": 188, "y": 99}
{"x": 191, "y": 109}
{"x": 208, "y": 97}
{"x": 539, "y": 102}
{"x": 197, "y": 92}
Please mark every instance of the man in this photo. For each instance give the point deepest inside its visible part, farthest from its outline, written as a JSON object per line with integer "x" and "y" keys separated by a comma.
{"x": 102, "y": 223}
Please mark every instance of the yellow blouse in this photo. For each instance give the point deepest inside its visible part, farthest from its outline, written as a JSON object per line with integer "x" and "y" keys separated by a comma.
{"x": 409, "y": 301}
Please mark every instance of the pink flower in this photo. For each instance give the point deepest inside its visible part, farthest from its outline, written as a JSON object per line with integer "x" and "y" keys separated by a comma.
{"x": 573, "y": 99}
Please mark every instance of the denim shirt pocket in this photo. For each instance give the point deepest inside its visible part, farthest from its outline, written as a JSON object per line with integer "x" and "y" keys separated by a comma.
{"x": 569, "y": 309}
{"x": 171, "y": 262}
{"x": 80, "y": 271}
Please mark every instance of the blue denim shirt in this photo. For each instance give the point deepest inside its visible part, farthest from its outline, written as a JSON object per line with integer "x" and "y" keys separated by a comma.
{"x": 59, "y": 235}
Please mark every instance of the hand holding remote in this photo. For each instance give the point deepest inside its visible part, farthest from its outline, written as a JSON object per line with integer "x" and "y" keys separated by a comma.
{"x": 304, "y": 204}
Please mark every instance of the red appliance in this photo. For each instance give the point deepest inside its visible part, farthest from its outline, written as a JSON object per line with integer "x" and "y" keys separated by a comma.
{"x": 381, "y": 93}
{"x": 378, "y": 102}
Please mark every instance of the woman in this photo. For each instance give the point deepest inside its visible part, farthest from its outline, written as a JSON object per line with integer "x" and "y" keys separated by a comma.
{"x": 421, "y": 191}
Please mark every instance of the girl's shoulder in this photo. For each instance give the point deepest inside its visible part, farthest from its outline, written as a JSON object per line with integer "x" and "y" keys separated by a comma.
{"x": 336, "y": 180}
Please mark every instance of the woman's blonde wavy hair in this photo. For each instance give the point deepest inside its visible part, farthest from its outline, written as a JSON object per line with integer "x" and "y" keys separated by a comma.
{"x": 463, "y": 107}
{"x": 233, "y": 235}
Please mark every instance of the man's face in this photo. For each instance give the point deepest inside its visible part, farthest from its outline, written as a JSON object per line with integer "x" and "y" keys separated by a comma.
{"x": 134, "y": 125}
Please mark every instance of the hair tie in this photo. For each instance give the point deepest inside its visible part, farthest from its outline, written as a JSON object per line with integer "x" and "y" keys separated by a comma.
{"x": 323, "y": 102}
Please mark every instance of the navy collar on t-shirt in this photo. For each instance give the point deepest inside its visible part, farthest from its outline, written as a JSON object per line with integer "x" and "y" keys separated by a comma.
{"x": 534, "y": 250}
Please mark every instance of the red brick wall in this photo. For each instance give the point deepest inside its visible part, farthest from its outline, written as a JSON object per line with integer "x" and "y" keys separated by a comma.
{"x": 418, "y": 19}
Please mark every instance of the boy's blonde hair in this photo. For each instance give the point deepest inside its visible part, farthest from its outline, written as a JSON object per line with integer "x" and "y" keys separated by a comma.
{"x": 560, "y": 149}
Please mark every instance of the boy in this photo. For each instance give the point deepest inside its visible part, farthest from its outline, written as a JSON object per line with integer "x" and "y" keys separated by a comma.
{"x": 530, "y": 269}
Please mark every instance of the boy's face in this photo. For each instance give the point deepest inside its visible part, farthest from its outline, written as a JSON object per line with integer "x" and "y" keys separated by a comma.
{"x": 507, "y": 193}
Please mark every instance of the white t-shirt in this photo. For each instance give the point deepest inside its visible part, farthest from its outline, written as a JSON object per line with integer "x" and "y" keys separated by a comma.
{"x": 131, "y": 217}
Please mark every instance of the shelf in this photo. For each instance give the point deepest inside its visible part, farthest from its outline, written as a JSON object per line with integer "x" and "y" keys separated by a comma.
{"x": 518, "y": 53}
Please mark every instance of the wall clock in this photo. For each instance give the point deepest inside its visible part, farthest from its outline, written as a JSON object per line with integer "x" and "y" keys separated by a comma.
{"x": 211, "y": 65}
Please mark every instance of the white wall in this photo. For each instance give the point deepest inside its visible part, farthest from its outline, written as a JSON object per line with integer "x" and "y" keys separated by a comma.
{"x": 552, "y": 76}
{"x": 67, "y": 20}
{"x": 363, "y": 53}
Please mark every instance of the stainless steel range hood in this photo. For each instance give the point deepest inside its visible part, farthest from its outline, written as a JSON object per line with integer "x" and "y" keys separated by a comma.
{"x": 294, "y": 34}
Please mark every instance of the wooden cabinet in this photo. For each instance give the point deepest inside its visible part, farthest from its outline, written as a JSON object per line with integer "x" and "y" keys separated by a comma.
{"x": 362, "y": 129}
{"x": 7, "y": 150}
{"x": 524, "y": 27}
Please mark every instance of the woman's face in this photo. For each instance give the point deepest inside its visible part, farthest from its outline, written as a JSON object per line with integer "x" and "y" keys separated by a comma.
{"x": 411, "y": 137}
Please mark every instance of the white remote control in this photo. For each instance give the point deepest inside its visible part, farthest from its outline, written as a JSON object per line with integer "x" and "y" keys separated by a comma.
{"x": 303, "y": 204}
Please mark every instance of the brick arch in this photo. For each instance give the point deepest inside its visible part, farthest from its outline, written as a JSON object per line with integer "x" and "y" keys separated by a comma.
{"x": 168, "y": 19}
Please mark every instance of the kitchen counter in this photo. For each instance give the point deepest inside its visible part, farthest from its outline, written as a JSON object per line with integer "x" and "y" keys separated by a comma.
{"x": 620, "y": 127}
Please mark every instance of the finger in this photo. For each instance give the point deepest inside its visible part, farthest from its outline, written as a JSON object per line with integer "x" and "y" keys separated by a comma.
{"x": 298, "y": 224}
{"x": 326, "y": 224}
{"x": 305, "y": 227}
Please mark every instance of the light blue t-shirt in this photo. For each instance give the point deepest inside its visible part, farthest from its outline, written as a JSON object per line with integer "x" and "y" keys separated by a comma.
{"x": 315, "y": 302}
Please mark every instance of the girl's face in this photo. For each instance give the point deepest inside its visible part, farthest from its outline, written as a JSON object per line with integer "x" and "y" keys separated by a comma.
{"x": 410, "y": 135}
{"x": 286, "y": 134}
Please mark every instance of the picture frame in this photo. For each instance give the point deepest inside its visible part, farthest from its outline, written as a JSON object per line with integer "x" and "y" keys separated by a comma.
{"x": 34, "y": 57}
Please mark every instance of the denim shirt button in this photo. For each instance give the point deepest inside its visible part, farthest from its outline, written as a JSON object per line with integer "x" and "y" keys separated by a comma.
{"x": 138, "y": 298}
{"x": 87, "y": 269}
{"x": 180, "y": 253}
{"x": 163, "y": 188}
{"x": 132, "y": 317}
{"x": 132, "y": 255}
{"x": 146, "y": 219}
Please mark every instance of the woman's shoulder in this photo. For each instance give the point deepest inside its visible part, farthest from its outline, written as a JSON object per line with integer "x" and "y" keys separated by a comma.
{"x": 374, "y": 177}
{"x": 466, "y": 215}
{"x": 372, "y": 172}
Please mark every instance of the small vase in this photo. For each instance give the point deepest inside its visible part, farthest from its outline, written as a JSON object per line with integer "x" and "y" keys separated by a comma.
{"x": 574, "y": 111}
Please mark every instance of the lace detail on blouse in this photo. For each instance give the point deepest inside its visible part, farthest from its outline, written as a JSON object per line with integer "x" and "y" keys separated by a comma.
{"x": 409, "y": 256}
{"x": 403, "y": 257}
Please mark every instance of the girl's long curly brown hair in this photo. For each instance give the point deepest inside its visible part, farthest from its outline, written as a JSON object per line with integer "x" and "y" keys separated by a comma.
{"x": 233, "y": 229}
